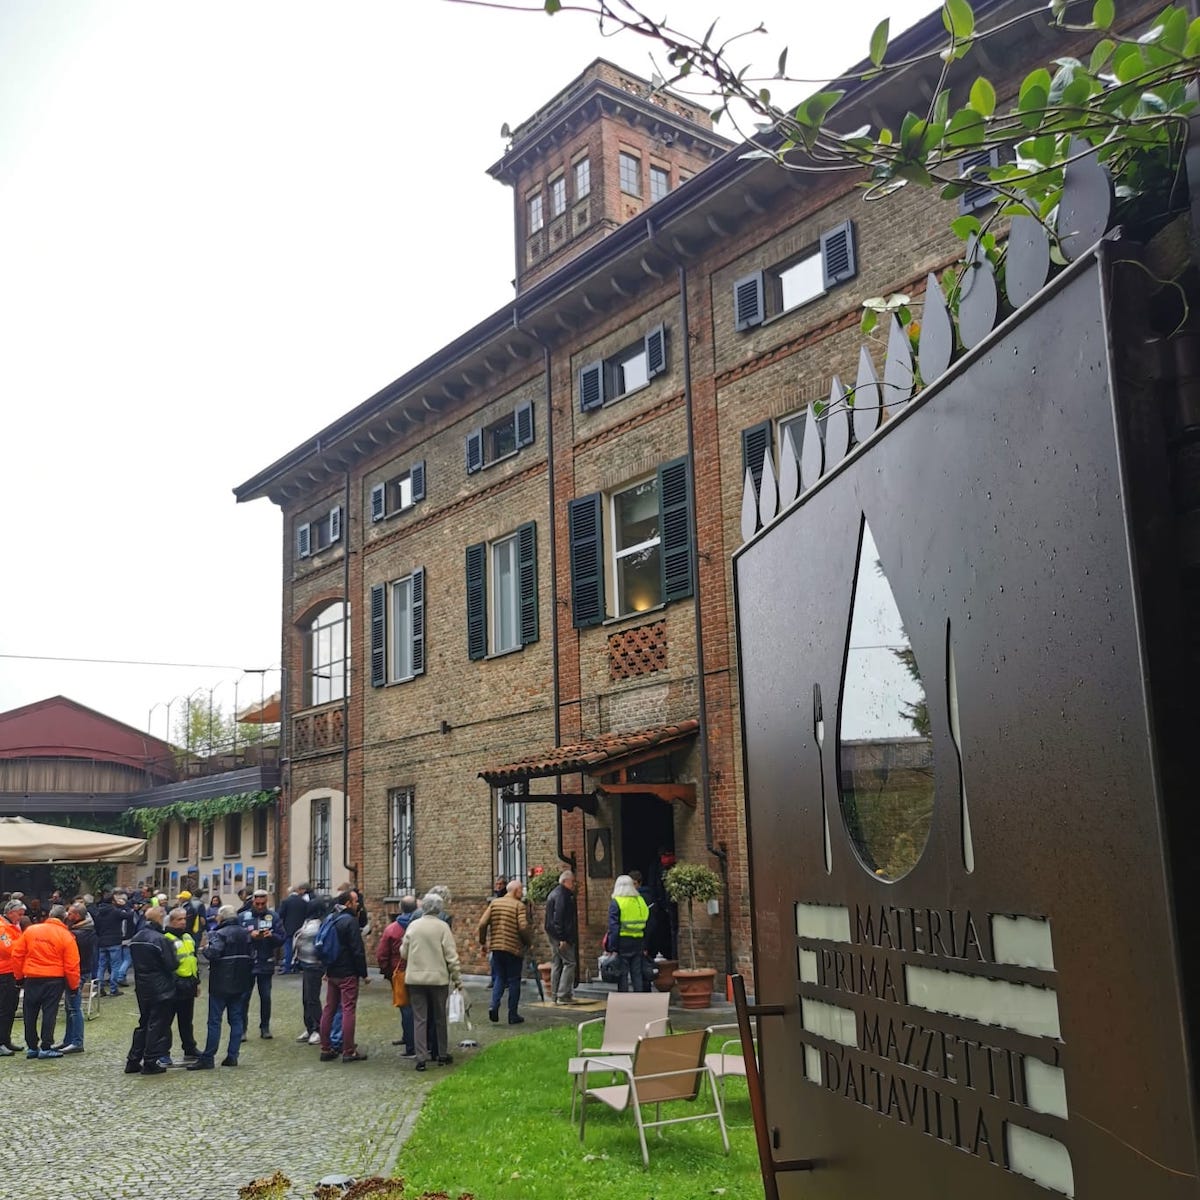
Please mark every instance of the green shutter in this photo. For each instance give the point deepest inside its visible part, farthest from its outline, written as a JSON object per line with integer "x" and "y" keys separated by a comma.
{"x": 587, "y": 560}
{"x": 418, "y": 621}
{"x": 477, "y": 600}
{"x": 378, "y": 635}
{"x": 527, "y": 578}
{"x": 756, "y": 441}
{"x": 675, "y": 525}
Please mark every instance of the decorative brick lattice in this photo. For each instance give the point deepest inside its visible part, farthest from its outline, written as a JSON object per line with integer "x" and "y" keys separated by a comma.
{"x": 640, "y": 651}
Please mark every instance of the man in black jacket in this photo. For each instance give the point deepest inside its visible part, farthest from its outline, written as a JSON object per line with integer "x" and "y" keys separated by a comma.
{"x": 228, "y": 954}
{"x": 79, "y": 922}
{"x": 114, "y": 925}
{"x": 343, "y": 975}
{"x": 154, "y": 963}
{"x": 292, "y": 912}
{"x": 562, "y": 928}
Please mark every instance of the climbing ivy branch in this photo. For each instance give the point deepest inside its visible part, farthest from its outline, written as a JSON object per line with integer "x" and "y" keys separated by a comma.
{"x": 1127, "y": 103}
{"x": 150, "y": 820}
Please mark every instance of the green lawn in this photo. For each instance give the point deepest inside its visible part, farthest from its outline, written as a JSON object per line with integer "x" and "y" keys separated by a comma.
{"x": 499, "y": 1127}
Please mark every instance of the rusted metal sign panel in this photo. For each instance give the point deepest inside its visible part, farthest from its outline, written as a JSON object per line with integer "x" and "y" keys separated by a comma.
{"x": 955, "y": 814}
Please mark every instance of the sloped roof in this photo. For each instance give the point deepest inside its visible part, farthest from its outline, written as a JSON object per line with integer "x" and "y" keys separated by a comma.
{"x": 593, "y": 756}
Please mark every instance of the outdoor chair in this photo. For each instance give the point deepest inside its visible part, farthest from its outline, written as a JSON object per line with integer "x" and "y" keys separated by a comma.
{"x": 728, "y": 1059}
{"x": 667, "y": 1068}
{"x": 89, "y": 995}
{"x": 628, "y": 1016}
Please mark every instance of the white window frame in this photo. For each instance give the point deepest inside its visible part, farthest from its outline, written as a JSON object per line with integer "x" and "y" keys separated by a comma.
{"x": 400, "y": 630}
{"x": 537, "y": 212}
{"x": 327, "y": 677}
{"x": 512, "y": 842}
{"x": 796, "y": 422}
{"x": 662, "y": 174}
{"x": 775, "y": 281}
{"x": 558, "y": 196}
{"x": 501, "y": 425}
{"x": 615, "y": 556}
{"x": 402, "y": 871}
{"x": 623, "y": 158}
{"x": 616, "y": 366}
{"x": 500, "y": 644}
{"x": 582, "y": 172}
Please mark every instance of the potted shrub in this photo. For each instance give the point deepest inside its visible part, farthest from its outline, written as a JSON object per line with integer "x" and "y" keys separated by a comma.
{"x": 687, "y": 883}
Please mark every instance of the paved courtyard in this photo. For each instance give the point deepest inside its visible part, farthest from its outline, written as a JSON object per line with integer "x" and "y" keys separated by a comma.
{"x": 78, "y": 1128}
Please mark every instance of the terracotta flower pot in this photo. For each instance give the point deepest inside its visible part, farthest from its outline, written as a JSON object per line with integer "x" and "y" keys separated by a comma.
{"x": 665, "y": 979}
{"x": 695, "y": 987}
{"x": 544, "y": 970}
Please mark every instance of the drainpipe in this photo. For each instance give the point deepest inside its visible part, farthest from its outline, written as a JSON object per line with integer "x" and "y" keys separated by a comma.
{"x": 717, "y": 851}
{"x": 346, "y": 680}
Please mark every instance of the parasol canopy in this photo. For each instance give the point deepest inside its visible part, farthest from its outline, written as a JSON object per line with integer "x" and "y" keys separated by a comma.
{"x": 26, "y": 842}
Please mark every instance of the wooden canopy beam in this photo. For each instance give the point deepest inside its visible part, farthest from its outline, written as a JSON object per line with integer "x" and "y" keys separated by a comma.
{"x": 666, "y": 792}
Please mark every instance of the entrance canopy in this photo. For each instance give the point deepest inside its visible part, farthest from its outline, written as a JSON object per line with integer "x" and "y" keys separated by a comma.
{"x": 26, "y": 842}
{"x": 608, "y": 754}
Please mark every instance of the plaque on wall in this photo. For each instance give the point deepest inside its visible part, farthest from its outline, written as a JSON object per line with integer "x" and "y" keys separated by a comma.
{"x": 599, "y": 853}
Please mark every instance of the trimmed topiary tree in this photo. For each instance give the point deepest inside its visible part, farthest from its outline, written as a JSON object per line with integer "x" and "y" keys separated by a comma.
{"x": 689, "y": 882}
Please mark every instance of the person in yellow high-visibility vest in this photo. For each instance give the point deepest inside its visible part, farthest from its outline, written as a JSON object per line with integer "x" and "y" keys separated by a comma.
{"x": 187, "y": 981}
{"x": 627, "y": 917}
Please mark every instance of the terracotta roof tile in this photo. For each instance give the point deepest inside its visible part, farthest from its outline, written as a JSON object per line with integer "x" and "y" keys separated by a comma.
{"x": 586, "y": 755}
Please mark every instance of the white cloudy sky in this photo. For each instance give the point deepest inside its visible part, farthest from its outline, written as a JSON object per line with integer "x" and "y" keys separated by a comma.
{"x": 221, "y": 225}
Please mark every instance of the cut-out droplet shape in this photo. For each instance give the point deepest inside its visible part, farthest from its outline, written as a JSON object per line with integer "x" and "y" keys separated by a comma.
{"x": 968, "y": 845}
{"x": 1027, "y": 260}
{"x": 749, "y": 507}
{"x": 768, "y": 494}
{"x": 837, "y": 425}
{"x": 598, "y": 853}
{"x": 885, "y": 751}
{"x": 819, "y": 738}
{"x": 978, "y": 303}
{"x": 868, "y": 403}
{"x": 898, "y": 369}
{"x": 937, "y": 332}
{"x": 789, "y": 470}
{"x": 1086, "y": 205}
{"x": 812, "y": 454}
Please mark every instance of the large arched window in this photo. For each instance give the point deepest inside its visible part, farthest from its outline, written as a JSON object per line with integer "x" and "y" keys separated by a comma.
{"x": 327, "y": 654}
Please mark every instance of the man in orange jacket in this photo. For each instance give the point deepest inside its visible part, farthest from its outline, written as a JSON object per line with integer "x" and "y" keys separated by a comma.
{"x": 10, "y": 935}
{"x": 46, "y": 959}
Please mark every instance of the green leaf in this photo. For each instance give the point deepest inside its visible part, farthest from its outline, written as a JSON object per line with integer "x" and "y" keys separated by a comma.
{"x": 941, "y": 107}
{"x": 964, "y": 226}
{"x": 813, "y": 111}
{"x": 952, "y": 191}
{"x": 1128, "y": 63}
{"x": 552, "y": 6}
{"x": 1035, "y": 79}
{"x": 1192, "y": 43}
{"x": 983, "y": 97}
{"x": 959, "y": 19}
{"x": 782, "y": 69}
{"x": 965, "y": 129}
{"x": 870, "y": 319}
{"x": 904, "y": 314}
{"x": 1103, "y": 14}
{"x": 879, "y": 41}
{"x": 1100, "y": 54}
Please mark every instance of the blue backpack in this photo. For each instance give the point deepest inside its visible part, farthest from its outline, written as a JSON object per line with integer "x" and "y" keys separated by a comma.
{"x": 328, "y": 944}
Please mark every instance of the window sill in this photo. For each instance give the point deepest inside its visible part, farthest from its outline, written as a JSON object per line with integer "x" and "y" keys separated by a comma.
{"x": 400, "y": 682}
{"x": 496, "y": 461}
{"x": 258, "y": 854}
{"x": 634, "y": 616}
{"x": 395, "y": 512}
{"x": 503, "y": 653}
{"x": 782, "y": 316}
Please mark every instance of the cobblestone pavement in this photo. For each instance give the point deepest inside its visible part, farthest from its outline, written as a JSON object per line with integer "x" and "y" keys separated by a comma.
{"x": 87, "y": 1131}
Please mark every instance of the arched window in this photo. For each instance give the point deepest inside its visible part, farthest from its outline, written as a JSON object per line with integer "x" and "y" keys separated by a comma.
{"x": 327, "y": 654}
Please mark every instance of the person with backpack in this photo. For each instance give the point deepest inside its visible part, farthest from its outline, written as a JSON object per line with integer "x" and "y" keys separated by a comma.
{"x": 228, "y": 954}
{"x": 312, "y": 970}
{"x": 340, "y": 948}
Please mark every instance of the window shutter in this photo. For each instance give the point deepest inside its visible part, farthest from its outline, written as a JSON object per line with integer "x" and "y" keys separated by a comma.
{"x": 474, "y": 451}
{"x": 378, "y": 502}
{"x": 417, "y": 476}
{"x": 837, "y": 254}
{"x": 675, "y": 524}
{"x": 303, "y": 540}
{"x": 587, "y": 560}
{"x": 749, "y": 305}
{"x": 982, "y": 194}
{"x": 418, "y": 621}
{"x": 527, "y": 579}
{"x": 656, "y": 351}
{"x": 591, "y": 386}
{"x": 755, "y": 441}
{"x": 335, "y": 523}
{"x": 477, "y": 600}
{"x": 378, "y": 635}
{"x": 523, "y": 416}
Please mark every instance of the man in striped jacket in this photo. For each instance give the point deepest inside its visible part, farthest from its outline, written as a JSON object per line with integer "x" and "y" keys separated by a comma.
{"x": 505, "y": 929}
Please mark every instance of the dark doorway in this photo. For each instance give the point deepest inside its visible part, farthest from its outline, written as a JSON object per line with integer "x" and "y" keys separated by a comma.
{"x": 647, "y": 828}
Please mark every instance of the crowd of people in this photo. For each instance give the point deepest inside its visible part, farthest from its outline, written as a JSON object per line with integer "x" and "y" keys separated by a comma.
{"x": 58, "y": 951}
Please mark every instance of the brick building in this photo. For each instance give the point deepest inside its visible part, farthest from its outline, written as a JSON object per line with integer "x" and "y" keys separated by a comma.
{"x": 517, "y": 554}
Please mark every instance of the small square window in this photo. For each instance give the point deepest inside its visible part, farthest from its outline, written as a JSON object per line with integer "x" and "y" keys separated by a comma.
{"x": 630, "y": 173}
{"x": 558, "y": 196}
{"x": 796, "y": 282}
{"x": 500, "y": 439}
{"x": 583, "y": 178}
{"x": 535, "y": 213}
{"x": 627, "y": 370}
{"x": 660, "y": 182}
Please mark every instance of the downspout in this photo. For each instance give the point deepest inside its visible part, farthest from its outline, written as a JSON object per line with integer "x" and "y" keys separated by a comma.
{"x": 717, "y": 851}
{"x": 554, "y": 680}
{"x": 346, "y": 682}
